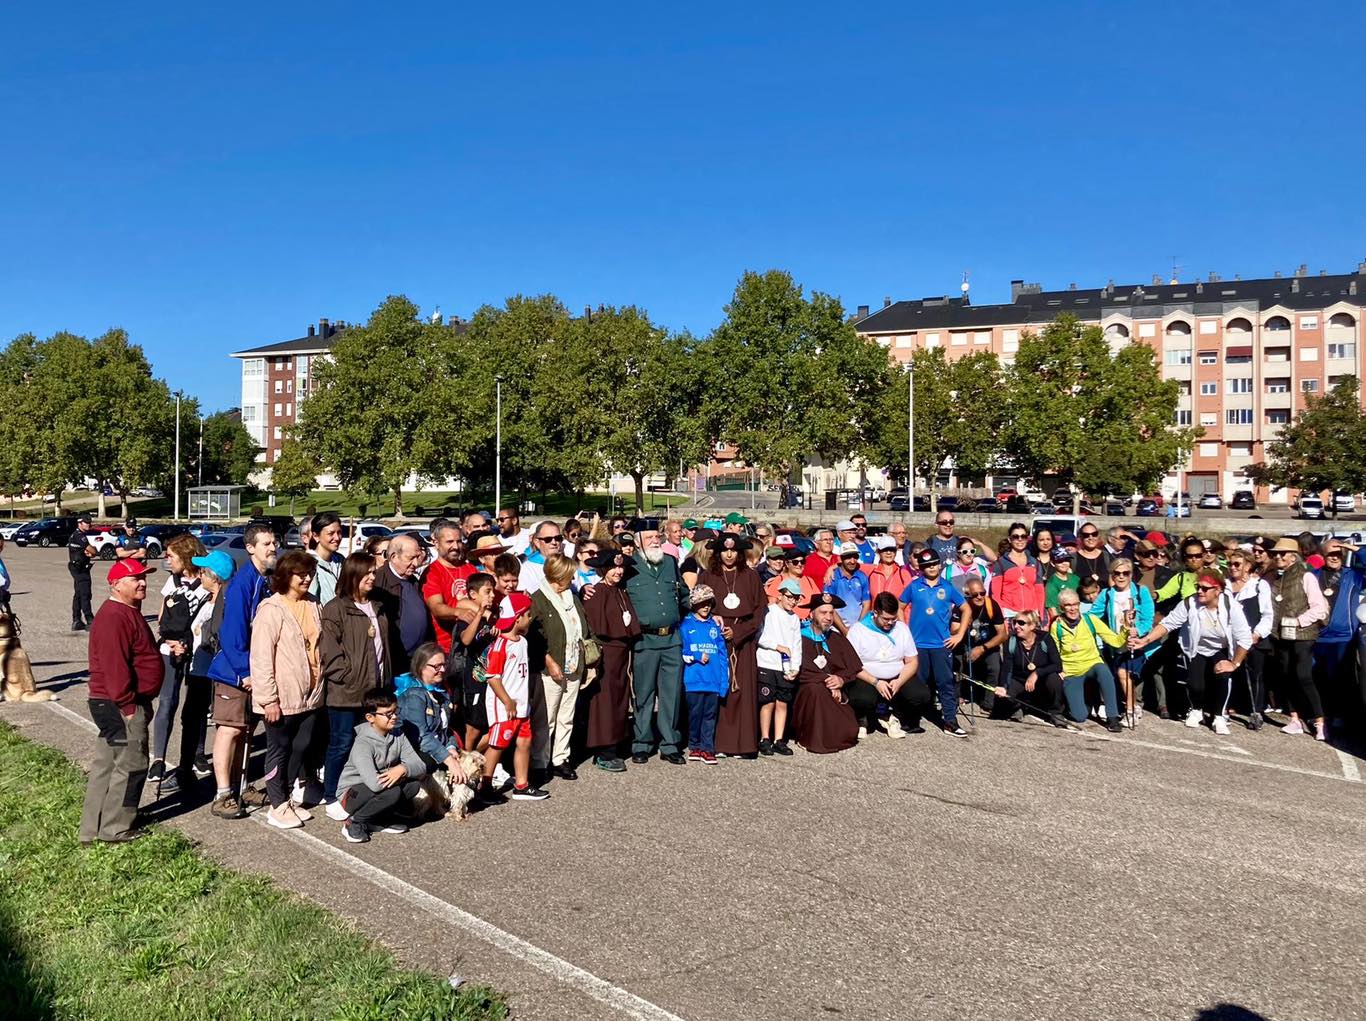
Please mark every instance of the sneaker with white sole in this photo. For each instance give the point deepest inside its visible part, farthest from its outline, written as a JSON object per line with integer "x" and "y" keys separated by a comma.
{"x": 501, "y": 777}
{"x": 355, "y": 833}
{"x": 1194, "y": 718}
{"x": 283, "y": 822}
{"x": 1101, "y": 714}
{"x": 335, "y": 811}
{"x": 894, "y": 730}
{"x": 863, "y": 733}
{"x": 1293, "y": 727}
{"x": 393, "y": 827}
{"x": 1221, "y": 726}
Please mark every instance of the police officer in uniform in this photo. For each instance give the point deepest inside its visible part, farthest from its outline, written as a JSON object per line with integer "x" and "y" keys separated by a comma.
{"x": 79, "y": 553}
{"x": 131, "y": 546}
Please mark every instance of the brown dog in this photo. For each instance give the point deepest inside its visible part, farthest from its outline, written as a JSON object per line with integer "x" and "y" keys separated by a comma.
{"x": 439, "y": 797}
{"x": 15, "y": 667}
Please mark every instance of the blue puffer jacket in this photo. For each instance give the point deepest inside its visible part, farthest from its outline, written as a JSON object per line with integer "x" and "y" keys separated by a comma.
{"x": 1342, "y": 620}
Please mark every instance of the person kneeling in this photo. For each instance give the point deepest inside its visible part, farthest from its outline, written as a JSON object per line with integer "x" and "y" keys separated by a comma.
{"x": 1079, "y": 637}
{"x": 822, "y": 720}
{"x": 383, "y": 772}
{"x": 890, "y": 661}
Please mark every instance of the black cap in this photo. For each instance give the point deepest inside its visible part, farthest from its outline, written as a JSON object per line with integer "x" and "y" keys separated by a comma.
{"x": 131, "y": 523}
{"x": 926, "y": 557}
{"x": 824, "y": 599}
{"x": 793, "y": 554}
{"x": 86, "y": 518}
{"x": 606, "y": 559}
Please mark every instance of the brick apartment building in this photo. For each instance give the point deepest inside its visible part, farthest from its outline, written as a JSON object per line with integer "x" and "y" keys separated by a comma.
{"x": 1247, "y": 352}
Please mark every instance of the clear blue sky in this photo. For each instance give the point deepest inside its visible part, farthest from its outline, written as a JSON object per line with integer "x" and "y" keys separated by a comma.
{"x": 211, "y": 181}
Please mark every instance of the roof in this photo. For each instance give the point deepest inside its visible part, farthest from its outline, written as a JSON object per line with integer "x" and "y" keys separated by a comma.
{"x": 1137, "y": 301}
{"x": 302, "y": 345}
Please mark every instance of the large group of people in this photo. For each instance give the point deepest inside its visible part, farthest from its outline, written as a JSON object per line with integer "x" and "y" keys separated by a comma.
{"x": 576, "y": 643}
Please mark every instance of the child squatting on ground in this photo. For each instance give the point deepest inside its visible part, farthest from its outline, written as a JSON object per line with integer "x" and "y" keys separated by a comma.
{"x": 383, "y": 772}
{"x": 706, "y": 674}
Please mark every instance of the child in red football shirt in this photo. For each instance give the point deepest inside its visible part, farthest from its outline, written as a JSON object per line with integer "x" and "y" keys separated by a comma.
{"x": 507, "y": 700}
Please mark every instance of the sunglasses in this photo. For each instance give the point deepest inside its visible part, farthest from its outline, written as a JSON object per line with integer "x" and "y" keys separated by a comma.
{"x": 1088, "y": 535}
{"x": 1193, "y": 556}
{"x": 1120, "y": 574}
{"x": 1332, "y": 553}
{"x": 1150, "y": 553}
{"x": 1280, "y": 553}
{"x": 1019, "y": 535}
{"x": 1207, "y": 588}
{"x": 977, "y": 597}
{"x": 949, "y": 521}
{"x": 1021, "y": 623}
{"x": 552, "y": 538}
{"x": 584, "y": 554}
{"x": 505, "y": 517}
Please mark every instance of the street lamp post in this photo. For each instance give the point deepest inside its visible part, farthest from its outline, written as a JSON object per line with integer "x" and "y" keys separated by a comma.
{"x": 175, "y": 515}
{"x": 201, "y": 448}
{"x": 910, "y": 435}
{"x": 498, "y": 445}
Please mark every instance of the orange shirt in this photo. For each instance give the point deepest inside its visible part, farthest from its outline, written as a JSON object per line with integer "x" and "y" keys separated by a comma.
{"x": 809, "y": 589}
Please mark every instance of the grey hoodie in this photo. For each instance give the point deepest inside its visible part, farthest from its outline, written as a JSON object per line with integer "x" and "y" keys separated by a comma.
{"x": 374, "y": 752}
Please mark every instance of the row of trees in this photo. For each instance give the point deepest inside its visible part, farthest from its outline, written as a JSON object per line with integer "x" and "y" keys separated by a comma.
{"x": 784, "y": 377}
{"x": 75, "y": 411}
{"x": 1322, "y": 448}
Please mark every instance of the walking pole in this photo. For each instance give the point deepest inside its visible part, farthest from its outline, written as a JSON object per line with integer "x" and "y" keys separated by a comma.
{"x": 242, "y": 777}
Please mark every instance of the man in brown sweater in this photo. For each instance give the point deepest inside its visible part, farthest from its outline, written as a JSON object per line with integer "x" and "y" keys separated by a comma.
{"x": 125, "y": 676}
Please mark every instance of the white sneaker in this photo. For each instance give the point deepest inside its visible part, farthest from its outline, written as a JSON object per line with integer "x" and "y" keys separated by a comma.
{"x": 894, "y": 730}
{"x": 1194, "y": 718}
{"x": 863, "y": 733}
{"x": 1126, "y": 721}
{"x": 297, "y": 794}
{"x": 501, "y": 777}
{"x": 1100, "y": 714}
{"x": 335, "y": 811}
{"x": 1221, "y": 725}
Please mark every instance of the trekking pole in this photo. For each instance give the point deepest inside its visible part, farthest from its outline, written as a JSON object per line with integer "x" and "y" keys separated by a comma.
{"x": 242, "y": 777}
{"x": 1027, "y": 707}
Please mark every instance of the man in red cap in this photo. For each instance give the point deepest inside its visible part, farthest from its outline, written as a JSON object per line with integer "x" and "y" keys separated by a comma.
{"x": 125, "y": 676}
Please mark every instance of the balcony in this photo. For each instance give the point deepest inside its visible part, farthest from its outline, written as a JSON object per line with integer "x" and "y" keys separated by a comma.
{"x": 1278, "y": 400}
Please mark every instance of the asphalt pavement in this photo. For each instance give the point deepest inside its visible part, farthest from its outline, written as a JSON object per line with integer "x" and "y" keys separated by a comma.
{"x": 1025, "y": 873}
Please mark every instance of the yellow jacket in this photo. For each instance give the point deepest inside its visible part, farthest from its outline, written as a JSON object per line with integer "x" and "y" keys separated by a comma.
{"x": 1080, "y": 646}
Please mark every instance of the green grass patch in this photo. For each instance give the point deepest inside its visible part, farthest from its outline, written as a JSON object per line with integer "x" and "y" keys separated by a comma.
{"x": 156, "y": 929}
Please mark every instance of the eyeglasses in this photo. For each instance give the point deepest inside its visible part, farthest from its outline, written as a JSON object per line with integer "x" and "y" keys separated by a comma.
{"x": 975, "y": 596}
{"x": 388, "y": 714}
{"x": 1021, "y": 623}
{"x": 1149, "y": 553}
{"x": 1120, "y": 574}
{"x": 1019, "y": 535}
{"x": 966, "y": 552}
{"x": 435, "y": 664}
{"x": 1207, "y": 588}
{"x": 503, "y": 517}
{"x": 1332, "y": 553}
{"x": 1193, "y": 556}
{"x": 1280, "y": 553}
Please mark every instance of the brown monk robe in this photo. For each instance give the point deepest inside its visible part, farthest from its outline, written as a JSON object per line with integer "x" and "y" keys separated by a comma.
{"x": 821, "y": 719}
{"x": 740, "y": 606}
{"x": 612, "y": 619}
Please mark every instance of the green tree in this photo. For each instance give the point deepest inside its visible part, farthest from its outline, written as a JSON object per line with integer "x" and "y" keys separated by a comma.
{"x": 787, "y": 377}
{"x": 229, "y": 451}
{"x": 294, "y": 473}
{"x": 1322, "y": 448}
{"x": 377, "y": 416}
{"x": 20, "y": 425}
{"x": 1098, "y": 420}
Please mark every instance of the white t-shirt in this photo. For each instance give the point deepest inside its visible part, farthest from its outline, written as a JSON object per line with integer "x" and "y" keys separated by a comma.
{"x": 368, "y": 609}
{"x": 883, "y": 653}
{"x": 507, "y": 657}
{"x": 518, "y": 542}
{"x": 780, "y": 628}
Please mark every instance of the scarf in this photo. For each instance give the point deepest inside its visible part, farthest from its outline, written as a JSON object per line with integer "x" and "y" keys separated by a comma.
{"x": 809, "y": 632}
{"x": 563, "y": 602}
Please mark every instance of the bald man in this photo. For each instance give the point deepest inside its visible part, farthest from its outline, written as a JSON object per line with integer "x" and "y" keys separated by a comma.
{"x": 398, "y": 589}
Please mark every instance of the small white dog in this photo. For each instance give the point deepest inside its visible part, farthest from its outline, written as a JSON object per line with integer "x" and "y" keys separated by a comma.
{"x": 439, "y": 797}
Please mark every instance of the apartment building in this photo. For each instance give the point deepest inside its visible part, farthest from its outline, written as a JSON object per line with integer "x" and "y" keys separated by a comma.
{"x": 1246, "y": 352}
{"x": 276, "y": 379}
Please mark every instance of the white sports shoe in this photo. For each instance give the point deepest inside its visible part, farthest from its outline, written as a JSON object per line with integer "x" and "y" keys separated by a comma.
{"x": 894, "y": 730}
{"x": 1221, "y": 725}
{"x": 863, "y": 733}
{"x": 1100, "y": 713}
{"x": 1194, "y": 718}
{"x": 335, "y": 811}
{"x": 501, "y": 777}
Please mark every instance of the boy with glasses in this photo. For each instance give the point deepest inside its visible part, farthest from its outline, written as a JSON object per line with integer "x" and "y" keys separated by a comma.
{"x": 931, "y": 603}
{"x": 383, "y": 773}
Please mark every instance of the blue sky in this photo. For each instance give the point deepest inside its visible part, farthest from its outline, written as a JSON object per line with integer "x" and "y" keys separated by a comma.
{"x": 214, "y": 180}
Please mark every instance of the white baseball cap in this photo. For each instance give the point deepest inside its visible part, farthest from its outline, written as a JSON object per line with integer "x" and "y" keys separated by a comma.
{"x": 884, "y": 542}
{"x": 844, "y": 526}
{"x": 847, "y": 549}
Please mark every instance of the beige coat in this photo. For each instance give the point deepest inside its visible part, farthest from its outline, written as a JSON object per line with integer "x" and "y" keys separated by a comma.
{"x": 279, "y": 660}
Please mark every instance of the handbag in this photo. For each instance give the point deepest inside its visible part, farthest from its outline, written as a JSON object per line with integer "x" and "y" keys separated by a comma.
{"x": 592, "y": 651}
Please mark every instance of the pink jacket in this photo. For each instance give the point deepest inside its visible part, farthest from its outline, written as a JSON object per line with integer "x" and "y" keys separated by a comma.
{"x": 280, "y": 670}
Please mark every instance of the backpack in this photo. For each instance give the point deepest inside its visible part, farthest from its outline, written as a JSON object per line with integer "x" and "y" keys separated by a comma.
{"x": 1090, "y": 625}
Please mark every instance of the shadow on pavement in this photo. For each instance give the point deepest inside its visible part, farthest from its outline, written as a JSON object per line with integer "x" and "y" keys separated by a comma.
{"x": 1228, "y": 1012}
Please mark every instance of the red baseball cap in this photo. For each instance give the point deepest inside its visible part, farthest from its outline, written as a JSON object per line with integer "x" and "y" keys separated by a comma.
{"x": 129, "y": 568}
{"x": 512, "y": 607}
{"x": 1157, "y": 539}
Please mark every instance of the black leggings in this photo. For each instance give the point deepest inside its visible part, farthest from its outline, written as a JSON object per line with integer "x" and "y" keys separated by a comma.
{"x": 287, "y": 745}
{"x": 1295, "y": 677}
{"x": 1208, "y": 690}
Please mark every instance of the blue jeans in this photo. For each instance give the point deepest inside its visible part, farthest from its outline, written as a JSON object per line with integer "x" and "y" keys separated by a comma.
{"x": 172, "y": 677}
{"x": 936, "y": 670}
{"x": 702, "y": 709}
{"x": 1074, "y": 690}
{"x": 341, "y": 735}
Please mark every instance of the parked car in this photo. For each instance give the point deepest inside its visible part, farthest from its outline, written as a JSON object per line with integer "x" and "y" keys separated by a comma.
{"x": 155, "y": 537}
{"x": 1063, "y": 526}
{"x": 8, "y": 528}
{"x": 1178, "y": 510}
{"x": 1003, "y": 495}
{"x": 1344, "y": 502}
{"x": 104, "y": 540}
{"x": 1148, "y": 508}
{"x": 899, "y": 499}
{"x": 364, "y": 531}
{"x": 1183, "y": 498}
{"x": 1243, "y": 500}
{"x": 1017, "y": 505}
{"x": 1210, "y": 501}
{"x": 280, "y": 524}
{"x": 1114, "y": 507}
{"x": 233, "y": 545}
{"x": 1309, "y": 507}
{"x": 291, "y": 539}
{"x": 45, "y": 532}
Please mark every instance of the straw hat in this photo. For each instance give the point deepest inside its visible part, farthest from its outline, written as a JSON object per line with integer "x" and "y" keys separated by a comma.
{"x": 1285, "y": 544}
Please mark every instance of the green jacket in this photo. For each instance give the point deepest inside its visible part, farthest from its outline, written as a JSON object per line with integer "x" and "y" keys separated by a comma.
{"x": 660, "y": 598}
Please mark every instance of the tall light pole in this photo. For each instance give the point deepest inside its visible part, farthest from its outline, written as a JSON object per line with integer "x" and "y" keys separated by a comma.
{"x": 175, "y": 515}
{"x": 201, "y": 448}
{"x": 910, "y": 434}
{"x": 498, "y": 446}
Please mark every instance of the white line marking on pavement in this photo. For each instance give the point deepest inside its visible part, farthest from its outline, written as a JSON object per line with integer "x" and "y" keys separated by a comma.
{"x": 1350, "y": 770}
{"x": 1215, "y": 755}
{"x": 1222, "y": 747}
{"x": 599, "y": 989}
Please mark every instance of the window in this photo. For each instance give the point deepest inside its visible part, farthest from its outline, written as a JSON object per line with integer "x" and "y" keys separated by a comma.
{"x": 1147, "y": 329}
{"x": 1309, "y": 354}
{"x": 1277, "y": 323}
{"x": 1238, "y": 360}
{"x": 1183, "y": 418}
{"x": 958, "y": 338}
{"x": 1309, "y": 386}
{"x": 1240, "y": 386}
{"x": 303, "y": 364}
{"x": 1209, "y": 357}
{"x": 1240, "y": 450}
{"x": 248, "y": 413}
{"x": 1278, "y": 354}
{"x": 1333, "y": 381}
{"x": 289, "y": 386}
{"x": 1209, "y": 450}
{"x": 931, "y": 340}
{"x": 279, "y": 386}
{"x": 1178, "y": 356}
{"x": 881, "y": 342}
{"x": 278, "y": 411}
{"x": 1208, "y": 326}
{"x": 1342, "y": 351}
{"x": 982, "y": 337}
{"x": 1278, "y": 385}
{"x": 289, "y": 409}
{"x": 278, "y": 433}
{"x": 1185, "y": 386}
{"x": 1309, "y": 322}
{"x": 905, "y": 340}
{"x": 1238, "y": 416}
{"x": 1010, "y": 335}
{"x": 1209, "y": 389}
{"x": 254, "y": 367}
{"x": 1209, "y": 418}
{"x": 1277, "y": 416}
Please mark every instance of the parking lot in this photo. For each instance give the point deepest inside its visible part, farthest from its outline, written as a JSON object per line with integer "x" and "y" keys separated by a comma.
{"x": 1024, "y": 873}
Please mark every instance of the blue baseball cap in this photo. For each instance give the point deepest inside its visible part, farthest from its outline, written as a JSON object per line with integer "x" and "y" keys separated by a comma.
{"x": 216, "y": 561}
{"x": 791, "y": 587}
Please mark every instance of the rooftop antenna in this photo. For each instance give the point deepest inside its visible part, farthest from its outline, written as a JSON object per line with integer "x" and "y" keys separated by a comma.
{"x": 964, "y": 286}
{"x": 436, "y": 316}
{"x": 1176, "y": 271}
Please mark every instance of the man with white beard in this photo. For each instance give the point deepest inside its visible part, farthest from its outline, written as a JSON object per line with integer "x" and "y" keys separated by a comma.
{"x": 659, "y": 598}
